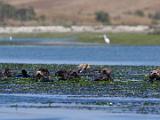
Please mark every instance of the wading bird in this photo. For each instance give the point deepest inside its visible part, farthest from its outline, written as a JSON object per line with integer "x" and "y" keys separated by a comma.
{"x": 106, "y": 39}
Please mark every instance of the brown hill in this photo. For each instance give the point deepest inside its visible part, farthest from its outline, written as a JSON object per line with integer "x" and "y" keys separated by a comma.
{"x": 68, "y": 12}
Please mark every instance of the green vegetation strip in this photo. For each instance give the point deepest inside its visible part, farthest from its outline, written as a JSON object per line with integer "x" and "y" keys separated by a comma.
{"x": 116, "y": 38}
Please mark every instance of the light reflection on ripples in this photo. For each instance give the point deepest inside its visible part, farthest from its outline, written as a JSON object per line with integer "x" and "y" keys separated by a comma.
{"x": 108, "y": 104}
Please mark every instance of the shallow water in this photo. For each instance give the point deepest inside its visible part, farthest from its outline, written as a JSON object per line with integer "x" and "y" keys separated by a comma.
{"x": 96, "y": 54}
{"x": 67, "y": 114}
{"x": 30, "y": 40}
{"x": 50, "y": 107}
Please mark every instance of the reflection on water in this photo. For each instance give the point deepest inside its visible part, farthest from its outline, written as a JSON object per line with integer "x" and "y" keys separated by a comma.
{"x": 112, "y": 55}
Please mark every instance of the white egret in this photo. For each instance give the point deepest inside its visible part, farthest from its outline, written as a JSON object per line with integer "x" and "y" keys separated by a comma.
{"x": 106, "y": 39}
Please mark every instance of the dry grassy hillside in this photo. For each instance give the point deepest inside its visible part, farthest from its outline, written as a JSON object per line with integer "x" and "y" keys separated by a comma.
{"x": 69, "y": 12}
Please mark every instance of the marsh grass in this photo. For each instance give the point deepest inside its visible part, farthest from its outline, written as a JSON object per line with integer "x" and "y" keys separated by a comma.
{"x": 116, "y": 38}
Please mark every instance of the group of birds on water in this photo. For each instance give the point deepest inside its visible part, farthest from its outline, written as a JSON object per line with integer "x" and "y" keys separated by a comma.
{"x": 81, "y": 71}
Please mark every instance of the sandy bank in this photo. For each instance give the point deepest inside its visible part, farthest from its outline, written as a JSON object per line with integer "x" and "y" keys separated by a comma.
{"x": 41, "y": 29}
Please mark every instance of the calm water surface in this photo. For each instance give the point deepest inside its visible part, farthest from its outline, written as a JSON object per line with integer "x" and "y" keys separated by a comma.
{"x": 112, "y": 55}
{"x": 60, "y": 107}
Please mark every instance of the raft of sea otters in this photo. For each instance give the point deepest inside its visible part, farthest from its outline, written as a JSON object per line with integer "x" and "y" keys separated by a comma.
{"x": 83, "y": 70}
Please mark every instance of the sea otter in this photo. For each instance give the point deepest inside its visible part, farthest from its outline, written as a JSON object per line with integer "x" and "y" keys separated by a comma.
{"x": 154, "y": 75}
{"x": 104, "y": 74}
{"x": 42, "y": 74}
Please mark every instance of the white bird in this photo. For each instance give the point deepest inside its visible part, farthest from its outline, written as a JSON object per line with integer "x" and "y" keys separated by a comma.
{"x": 10, "y": 38}
{"x": 106, "y": 39}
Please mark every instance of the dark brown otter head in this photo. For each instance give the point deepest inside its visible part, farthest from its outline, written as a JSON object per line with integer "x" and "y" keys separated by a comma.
{"x": 154, "y": 75}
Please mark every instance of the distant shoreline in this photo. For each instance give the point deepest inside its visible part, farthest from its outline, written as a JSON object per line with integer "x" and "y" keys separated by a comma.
{"x": 118, "y": 35}
{"x": 61, "y": 29}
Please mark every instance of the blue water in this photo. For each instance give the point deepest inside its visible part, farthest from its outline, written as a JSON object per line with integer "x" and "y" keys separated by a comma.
{"x": 110, "y": 55}
{"x": 59, "y": 107}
